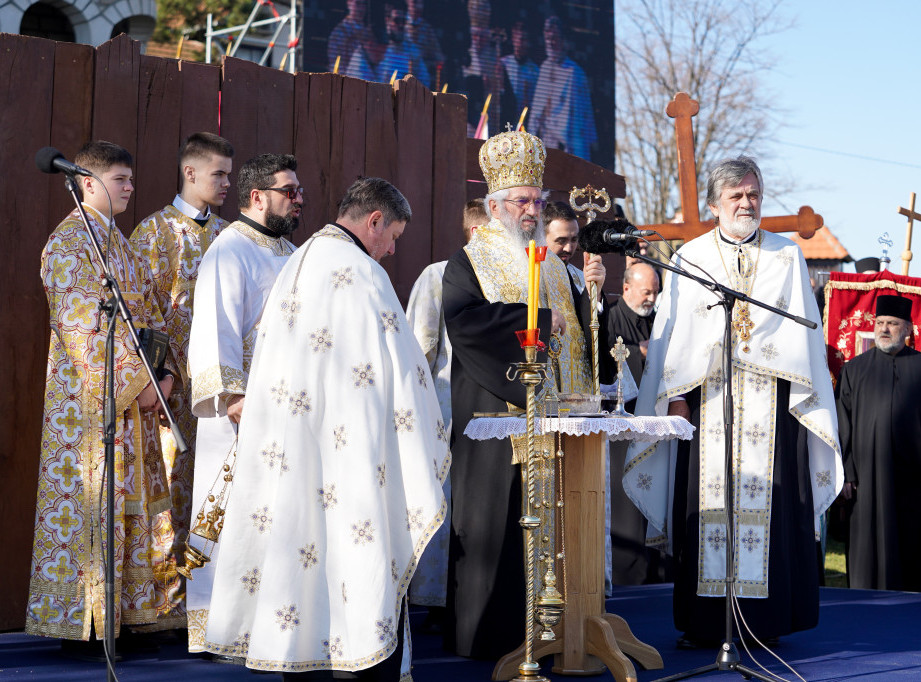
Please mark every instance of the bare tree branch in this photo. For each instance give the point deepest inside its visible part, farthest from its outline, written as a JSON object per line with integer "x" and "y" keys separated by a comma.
{"x": 709, "y": 49}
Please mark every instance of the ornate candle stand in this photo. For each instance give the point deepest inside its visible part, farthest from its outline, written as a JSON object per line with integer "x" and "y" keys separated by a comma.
{"x": 530, "y": 373}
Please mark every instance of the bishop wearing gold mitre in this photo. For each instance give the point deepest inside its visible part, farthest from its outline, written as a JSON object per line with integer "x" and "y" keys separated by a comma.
{"x": 485, "y": 303}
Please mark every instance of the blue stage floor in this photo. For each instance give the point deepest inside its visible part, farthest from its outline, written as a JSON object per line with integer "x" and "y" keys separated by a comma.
{"x": 862, "y": 635}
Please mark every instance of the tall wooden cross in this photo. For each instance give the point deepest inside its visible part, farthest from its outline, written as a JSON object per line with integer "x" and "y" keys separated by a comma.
{"x": 912, "y": 216}
{"x": 682, "y": 108}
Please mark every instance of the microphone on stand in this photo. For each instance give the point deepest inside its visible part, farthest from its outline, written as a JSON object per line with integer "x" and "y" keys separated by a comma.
{"x": 50, "y": 160}
{"x": 610, "y": 236}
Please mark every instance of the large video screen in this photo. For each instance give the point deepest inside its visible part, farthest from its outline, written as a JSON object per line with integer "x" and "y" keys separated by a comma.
{"x": 553, "y": 57}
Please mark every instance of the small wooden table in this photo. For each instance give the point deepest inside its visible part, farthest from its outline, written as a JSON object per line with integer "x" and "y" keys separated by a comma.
{"x": 587, "y": 639}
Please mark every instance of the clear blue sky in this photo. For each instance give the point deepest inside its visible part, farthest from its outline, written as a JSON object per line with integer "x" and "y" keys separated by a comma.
{"x": 847, "y": 78}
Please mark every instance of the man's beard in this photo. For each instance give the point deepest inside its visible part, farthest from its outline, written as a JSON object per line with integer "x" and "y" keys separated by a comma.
{"x": 519, "y": 235}
{"x": 643, "y": 309}
{"x": 890, "y": 345}
{"x": 742, "y": 226}
{"x": 281, "y": 225}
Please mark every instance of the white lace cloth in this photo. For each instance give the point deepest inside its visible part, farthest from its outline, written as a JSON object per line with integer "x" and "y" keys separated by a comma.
{"x": 648, "y": 429}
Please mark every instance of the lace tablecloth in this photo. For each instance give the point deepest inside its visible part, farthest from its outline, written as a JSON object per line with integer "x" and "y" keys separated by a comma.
{"x": 618, "y": 428}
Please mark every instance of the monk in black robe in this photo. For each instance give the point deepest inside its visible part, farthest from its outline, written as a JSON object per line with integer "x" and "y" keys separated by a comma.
{"x": 631, "y": 318}
{"x": 879, "y": 422}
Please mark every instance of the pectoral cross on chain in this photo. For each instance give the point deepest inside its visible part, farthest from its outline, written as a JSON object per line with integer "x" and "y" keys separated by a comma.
{"x": 743, "y": 325}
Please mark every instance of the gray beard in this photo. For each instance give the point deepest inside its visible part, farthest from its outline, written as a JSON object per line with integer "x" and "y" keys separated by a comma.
{"x": 641, "y": 310}
{"x": 520, "y": 237}
{"x": 891, "y": 346}
{"x": 741, "y": 227}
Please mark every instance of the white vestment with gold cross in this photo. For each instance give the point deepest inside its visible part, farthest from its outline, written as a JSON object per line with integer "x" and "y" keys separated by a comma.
{"x": 234, "y": 280}
{"x": 685, "y": 352}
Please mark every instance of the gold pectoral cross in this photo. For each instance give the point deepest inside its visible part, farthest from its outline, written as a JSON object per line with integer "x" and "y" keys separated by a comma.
{"x": 743, "y": 325}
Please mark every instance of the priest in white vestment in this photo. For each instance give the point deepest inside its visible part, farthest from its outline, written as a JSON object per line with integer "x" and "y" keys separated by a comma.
{"x": 425, "y": 313}
{"x": 234, "y": 280}
{"x": 341, "y": 458}
{"x": 787, "y": 461}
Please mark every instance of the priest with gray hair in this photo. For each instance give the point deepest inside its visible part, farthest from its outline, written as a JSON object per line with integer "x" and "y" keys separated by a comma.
{"x": 786, "y": 458}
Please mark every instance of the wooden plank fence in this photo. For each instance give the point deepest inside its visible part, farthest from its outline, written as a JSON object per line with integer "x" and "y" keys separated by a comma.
{"x": 62, "y": 94}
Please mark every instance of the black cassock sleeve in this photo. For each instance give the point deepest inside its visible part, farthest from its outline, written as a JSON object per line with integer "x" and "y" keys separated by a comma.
{"x": 845, "y": 414}
{"x": 482, "y": 334}
{"x": 607, "y": 368}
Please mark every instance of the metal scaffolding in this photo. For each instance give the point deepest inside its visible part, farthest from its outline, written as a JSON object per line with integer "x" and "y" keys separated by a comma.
{"x": 289, "y": 61}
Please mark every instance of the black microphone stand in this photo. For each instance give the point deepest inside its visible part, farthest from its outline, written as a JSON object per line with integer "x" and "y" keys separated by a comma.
{"x": 114, "y": 308}
{"x": 728, "y": 657}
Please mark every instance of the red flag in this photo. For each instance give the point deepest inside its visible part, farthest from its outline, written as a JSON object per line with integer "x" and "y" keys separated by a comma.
{"x": 850, "y": 311}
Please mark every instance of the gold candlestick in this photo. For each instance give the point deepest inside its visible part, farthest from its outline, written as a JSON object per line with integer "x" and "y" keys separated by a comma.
{"x": 530, "y": 373}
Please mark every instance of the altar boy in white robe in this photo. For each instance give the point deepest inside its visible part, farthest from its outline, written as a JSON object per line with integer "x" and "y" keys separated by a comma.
{"x": 341, "y": 458}
{"x": 234, "y": 281}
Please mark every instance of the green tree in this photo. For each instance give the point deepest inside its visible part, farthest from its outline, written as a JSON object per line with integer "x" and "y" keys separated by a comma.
{"x": 190, "y": 17}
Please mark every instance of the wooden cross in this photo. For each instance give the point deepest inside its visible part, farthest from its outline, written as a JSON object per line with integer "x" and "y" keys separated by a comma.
{"x": 682, "y": 108}
{"x": 912, "y": 216}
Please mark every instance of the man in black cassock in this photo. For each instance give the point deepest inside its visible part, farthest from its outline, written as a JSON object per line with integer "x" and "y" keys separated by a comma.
{"x": 631, "y": 318}
{"x": 879, "y": 422}
{"x": 485, "y": 294}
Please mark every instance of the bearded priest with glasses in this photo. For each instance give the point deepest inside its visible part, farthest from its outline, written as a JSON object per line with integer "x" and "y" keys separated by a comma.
{"x": 485, "y": 303}
{"x": 234, "y": 280}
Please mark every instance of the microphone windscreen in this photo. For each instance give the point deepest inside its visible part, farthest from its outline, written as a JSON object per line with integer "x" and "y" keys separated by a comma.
{"x": 45, "y": 157}
{"x": 591, "y": 237}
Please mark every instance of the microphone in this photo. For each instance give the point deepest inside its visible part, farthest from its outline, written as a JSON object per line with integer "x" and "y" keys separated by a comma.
{"x": 50, "y": 160}
{"x": 603, "y": 236}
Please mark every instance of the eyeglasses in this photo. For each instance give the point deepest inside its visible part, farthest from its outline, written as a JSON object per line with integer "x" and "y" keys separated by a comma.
{"x": 291, "y": 192}
{"x": 523, "y": 203}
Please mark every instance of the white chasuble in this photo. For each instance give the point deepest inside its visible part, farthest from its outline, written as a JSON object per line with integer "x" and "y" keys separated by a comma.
{"x": 425, "y": 314}
{"x": 341, "y": 458}
{"x": 685, "y": 352}
{"x": 234, "y": 280}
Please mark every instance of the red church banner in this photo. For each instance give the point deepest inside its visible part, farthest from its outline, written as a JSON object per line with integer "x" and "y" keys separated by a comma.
{"x": 850, "y": 311}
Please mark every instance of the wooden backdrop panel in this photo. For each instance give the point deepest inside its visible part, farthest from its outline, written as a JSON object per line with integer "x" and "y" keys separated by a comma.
{"x": 115, "y": 106}
{"x": 337, "y": 134}
{"x": 352, "y": 115}
{"x": 448, "y": 175}
{"x": 156, "y": 167}
{"x": 312, "y": 148}
{"x": 72, "y": 115}
{"x": 381, "y": 145}
{"x": 200, "y": 103}
{"x": 415, "y": 117}
{"x": 25, "y": 117}
{"x": 257, "y": 115}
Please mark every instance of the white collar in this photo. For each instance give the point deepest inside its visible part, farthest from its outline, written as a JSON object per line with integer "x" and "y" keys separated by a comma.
{"x": 98, "y": 216}
{"x": 187, "y": 209}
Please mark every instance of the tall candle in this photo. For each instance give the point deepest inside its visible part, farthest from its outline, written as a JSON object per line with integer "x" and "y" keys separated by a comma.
{"x": 532, "y": 289}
